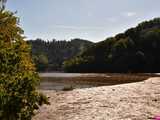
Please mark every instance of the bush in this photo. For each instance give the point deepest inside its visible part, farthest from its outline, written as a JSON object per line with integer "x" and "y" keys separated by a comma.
{"x": 68, "y": 88}
{"x": 18, "y": 79}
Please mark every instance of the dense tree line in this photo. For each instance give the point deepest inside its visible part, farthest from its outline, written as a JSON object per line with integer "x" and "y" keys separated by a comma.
{"x": 50, "y": 55}
{"x": 135, "y": 50}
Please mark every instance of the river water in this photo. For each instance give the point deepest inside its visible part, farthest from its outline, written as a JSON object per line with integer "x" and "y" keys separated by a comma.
{"x": 72, "y": 74}
{"x": 61, "y": 81}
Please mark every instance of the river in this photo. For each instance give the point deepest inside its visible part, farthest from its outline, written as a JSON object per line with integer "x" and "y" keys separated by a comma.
{"x": 69, "y": 81}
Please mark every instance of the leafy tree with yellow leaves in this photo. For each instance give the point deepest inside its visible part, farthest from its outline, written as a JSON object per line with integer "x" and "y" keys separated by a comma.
{"x": 18, "y": 80}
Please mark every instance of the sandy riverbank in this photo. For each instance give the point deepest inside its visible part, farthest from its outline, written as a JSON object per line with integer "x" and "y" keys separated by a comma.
{"x": 132, "y": 101}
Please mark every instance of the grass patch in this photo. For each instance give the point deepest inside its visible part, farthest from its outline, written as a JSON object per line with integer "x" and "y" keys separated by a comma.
{"x": 68, "y": 88}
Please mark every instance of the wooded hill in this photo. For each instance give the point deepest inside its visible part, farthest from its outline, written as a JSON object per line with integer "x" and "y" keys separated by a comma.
{"x": 135, "y": 50}
{"x": 50, "y": 55}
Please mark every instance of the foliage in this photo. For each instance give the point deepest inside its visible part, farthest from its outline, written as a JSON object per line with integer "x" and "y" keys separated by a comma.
{"x": 49, "y": 55}
{"x": 41, "y": 61}
{"x": 68, "y": 88}
{"x": 18, "y": 79}
{"x": 135, "y": 50}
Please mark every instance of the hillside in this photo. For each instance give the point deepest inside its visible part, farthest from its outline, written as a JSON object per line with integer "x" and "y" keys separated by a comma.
{"x": 135, "y": 50}
{"x": 50, "y": 55}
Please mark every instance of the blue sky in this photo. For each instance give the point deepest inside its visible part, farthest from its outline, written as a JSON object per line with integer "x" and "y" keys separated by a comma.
{"x": 94, "y": 20}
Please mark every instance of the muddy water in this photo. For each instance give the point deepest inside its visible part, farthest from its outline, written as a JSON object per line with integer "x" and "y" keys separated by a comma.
{"x": 60, "y": 81}
{"x": 73, "y": 74}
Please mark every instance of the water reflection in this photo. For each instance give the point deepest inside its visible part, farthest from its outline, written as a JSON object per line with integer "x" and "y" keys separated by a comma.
{"x": 61, "y": 81}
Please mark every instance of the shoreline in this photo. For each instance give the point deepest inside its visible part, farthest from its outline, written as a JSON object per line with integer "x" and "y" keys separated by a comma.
{"x": 131, "y": 101}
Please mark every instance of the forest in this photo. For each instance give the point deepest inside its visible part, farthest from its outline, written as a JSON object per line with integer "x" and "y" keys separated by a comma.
{"x": 134, "y": 51}
{"x": 50, "y": 55}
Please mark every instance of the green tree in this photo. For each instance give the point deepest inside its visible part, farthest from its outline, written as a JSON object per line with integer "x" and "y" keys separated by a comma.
{"x": 18, "y": 79}
{"x": 41, "y": 62}
{"x": 135, "y": 50}
{"x": 50, "y": 55}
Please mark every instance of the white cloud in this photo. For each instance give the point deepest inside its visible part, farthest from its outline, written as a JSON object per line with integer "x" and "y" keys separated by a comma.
{"x": 129, "y": 14}
{"x": 78, "y": 27}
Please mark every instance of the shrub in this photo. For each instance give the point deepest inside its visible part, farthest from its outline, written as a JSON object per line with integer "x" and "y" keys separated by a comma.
{"x": 18, "y": 79}
{"x": 68, "y": 88}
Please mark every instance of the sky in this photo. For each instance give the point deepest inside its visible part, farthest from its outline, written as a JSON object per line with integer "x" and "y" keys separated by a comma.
{"x": 93, "y": 20}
